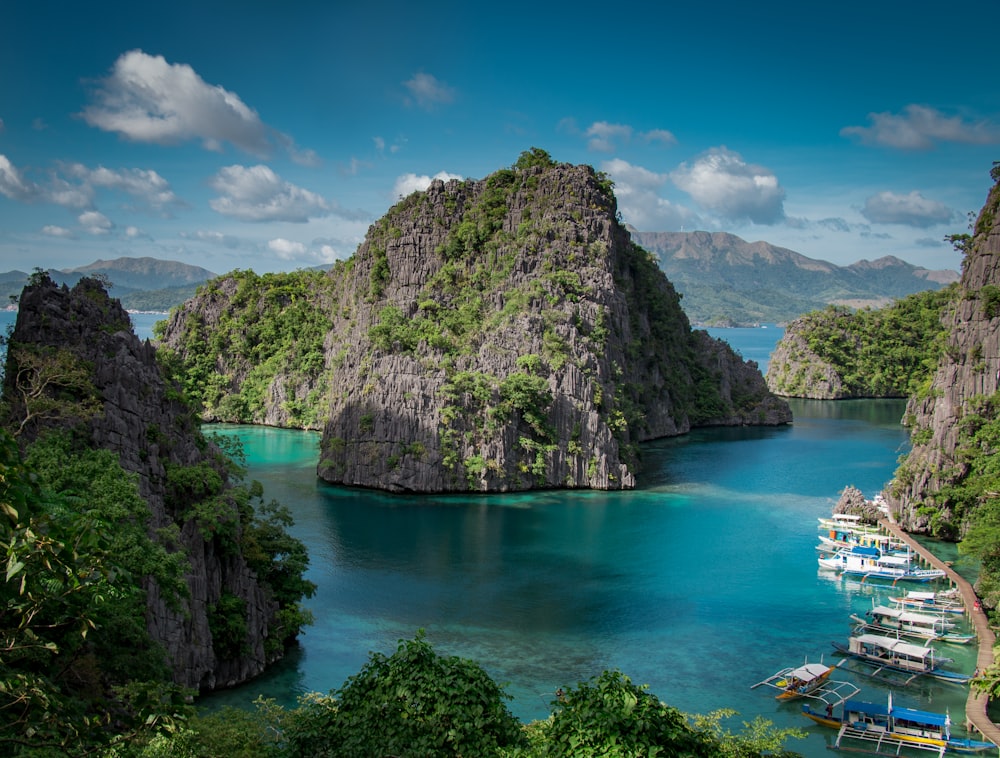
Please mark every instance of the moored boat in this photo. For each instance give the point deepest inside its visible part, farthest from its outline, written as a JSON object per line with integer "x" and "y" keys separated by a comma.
{"x": 901, "y": 622}
{"x": 894, "y": 654}
{"x": 807, "y": 680}
{"x": 895, "y": 727}
{"x": 945, "y": 601}
{"x": 870, "y": 562}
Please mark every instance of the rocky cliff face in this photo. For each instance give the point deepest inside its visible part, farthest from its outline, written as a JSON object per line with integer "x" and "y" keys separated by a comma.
{"x": 502, "y": 334}
{"x": 969, "y": 371}
{"x": 141, "y": 419}
{"x": 795, "y": 370}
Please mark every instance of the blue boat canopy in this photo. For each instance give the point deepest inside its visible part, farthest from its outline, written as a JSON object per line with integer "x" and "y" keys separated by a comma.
{"x": 907, "y": 714}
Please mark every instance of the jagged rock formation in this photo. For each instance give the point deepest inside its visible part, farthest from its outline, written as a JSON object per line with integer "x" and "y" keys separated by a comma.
{"x": 852, "y": 501}
{"x": 795, "y": 370}
{"x": 141, "y": 418}
{"x": 968, "y": 372}
{"x": 492, "y": 335}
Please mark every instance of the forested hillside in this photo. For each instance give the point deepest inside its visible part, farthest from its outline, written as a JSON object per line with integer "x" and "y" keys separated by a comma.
{"x": 883, "y": 352}
{"x": 727, "y": 281}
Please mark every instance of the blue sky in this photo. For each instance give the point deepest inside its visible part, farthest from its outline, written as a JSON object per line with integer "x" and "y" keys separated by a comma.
{"x": 269, "y": 136}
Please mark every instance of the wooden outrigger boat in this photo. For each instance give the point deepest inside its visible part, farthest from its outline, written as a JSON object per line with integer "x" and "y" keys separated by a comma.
{"x": 945, "y": 601}
{"x": 810, "y": 680}
{"x": 893, "y": 654}
{"x": 872, "y": 563}
{"x": 894, "y": 728}
{"x": 900, "y": 622}
{"x": 846, "y": 530}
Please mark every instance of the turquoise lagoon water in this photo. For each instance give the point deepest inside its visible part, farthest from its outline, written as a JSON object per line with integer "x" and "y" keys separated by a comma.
{"x": 700, "y": 583}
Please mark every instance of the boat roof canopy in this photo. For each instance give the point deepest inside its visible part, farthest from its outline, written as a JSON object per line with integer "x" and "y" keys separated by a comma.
{"x": 909, "y": 714}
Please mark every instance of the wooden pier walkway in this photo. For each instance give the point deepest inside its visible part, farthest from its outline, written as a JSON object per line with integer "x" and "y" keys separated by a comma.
{"x": 976, "y": 716}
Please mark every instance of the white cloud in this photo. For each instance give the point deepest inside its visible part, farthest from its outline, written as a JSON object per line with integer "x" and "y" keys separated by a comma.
{"x": 638, "y": 192}
{"x": 919, "y": 127}
{"x": 51, "y": 230}
{"x": 287, "y": 249}
{"x": 410, "y": 183}
{"x": 256, "y": 193}
{"x": 912, "y": 209}
{"x": 146, "y": 185}
{"x": 602, "y": 136}
{"x": 427, "y": 91}
{"x": 298, "y": 252}
{"x": 13, "y": 184}
{"x": 146, "y": 99}
{"x": 95, "y": 223}
{"x": 216, "y": 238}
{"x": 721, "y": 182}
{"x": 660, "y": 135}
{"x": 76, "y": 185}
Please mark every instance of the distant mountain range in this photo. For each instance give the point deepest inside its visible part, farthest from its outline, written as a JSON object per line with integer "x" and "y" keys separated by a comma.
{"x": 142, "y": 284}
{"x": 725, "y": 280}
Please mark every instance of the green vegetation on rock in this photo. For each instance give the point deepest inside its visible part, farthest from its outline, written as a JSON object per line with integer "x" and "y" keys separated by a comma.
{"x": 884, "y": 352}
{"x": 271, "y": 328}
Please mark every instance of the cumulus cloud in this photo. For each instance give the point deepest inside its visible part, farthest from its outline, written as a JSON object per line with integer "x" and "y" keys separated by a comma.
{"x": 602, "y": 136}
{"x": 95, "y": 223}
{"x": 919, "y": 127}
{"x": 638, "y": 192}
{"x": 912, "y": 209}
{"x": 51, "y": 230}
{"x": 147, "y": 99}
{"x": 723, "y": 183}
{"x": 427, "y": 91}
{"x": 409, "y": 183}
{"x": 75, "y": 185}
{"x": 289, "y": 250}
{"x": 256, "y": 193}
{"x": 660, "y": 135}
{"x": 605, "y": 137}
{"x": 13, "y": 185}
{"x": 146, "y": 185}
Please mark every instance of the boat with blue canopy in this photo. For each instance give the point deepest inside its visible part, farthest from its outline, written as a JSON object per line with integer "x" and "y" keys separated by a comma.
{"x": 889, "y": 728}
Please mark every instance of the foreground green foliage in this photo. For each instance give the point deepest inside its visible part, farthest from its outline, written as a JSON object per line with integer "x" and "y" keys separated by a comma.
{"x": 416, "y": 703}
{"x": 77, "y": 667}
{"x": 885, "y": 352}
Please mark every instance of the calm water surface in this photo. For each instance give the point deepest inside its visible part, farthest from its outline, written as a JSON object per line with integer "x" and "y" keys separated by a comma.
{"x": 700, "y": 583}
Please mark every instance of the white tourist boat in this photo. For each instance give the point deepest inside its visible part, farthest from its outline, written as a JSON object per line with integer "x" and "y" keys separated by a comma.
{"x": 943, "y": 602}
{"x": 870, "y": 562}
{"x": 896, "y": 655}
{"x": 907, "y": 623}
